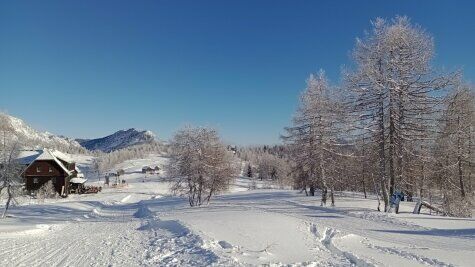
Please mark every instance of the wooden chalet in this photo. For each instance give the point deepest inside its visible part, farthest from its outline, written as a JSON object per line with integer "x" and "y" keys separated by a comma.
{"x": 48, "y": 165}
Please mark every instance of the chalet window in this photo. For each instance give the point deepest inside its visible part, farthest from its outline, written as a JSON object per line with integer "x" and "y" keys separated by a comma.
{"x": 38, "y": 169}
{"x": 50, "y": 169}
{"x": 35, "y": 180}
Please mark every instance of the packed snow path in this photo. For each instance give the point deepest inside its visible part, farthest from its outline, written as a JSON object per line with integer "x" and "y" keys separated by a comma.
{"x": 117, "y": 235}
{"x": 136, "y": 226}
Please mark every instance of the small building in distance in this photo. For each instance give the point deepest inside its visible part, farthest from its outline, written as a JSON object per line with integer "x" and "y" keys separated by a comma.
{"x": 147, "y": 169}
{"x": 150, "y": 170}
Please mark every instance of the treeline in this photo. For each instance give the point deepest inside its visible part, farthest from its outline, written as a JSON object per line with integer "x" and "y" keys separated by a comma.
{"x": 266, "y": 163}
{"x": 105, "y": 162}
{"x": 394, "y": 124}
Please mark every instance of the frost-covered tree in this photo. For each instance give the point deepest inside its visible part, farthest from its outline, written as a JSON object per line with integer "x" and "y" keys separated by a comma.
{"x": 10, "y": 170}
{"x": 458, "y": 132}
{"x": 47, "y": 190}
{"x": 200, "y": 165}
{"x": 454, "y": 152}
{"x": 315, "y": 135}
{"x": 268, "y": 163}
{"x": 272, "y": 167}
{"x": 394, "y": 84}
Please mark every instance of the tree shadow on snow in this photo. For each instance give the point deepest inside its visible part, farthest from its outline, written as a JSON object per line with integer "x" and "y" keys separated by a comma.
{"x": 437, "y": 217}
{"x": 464, "y": 233}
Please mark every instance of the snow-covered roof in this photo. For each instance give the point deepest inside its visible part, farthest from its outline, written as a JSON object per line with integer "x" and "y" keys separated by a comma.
{"x": 45, "y": 154}
{"x": 61, "y": 156}
{"x": 28, "y": 156}
{"x": 77, "y": 180}
{"x": 78, "y": 171}
{"x": 49, "y": 155}
{"x": 25, "y": 157}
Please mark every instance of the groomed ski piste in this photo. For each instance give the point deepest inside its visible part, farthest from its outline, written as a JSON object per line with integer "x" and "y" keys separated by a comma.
{"x": 142, "y": 224}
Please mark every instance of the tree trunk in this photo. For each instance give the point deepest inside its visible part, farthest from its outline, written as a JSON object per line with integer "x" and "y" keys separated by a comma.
{"x": 312, "y": 190}
{"x": 332, "y": 196}
{"x": 324, "y": 197}
{"x": 469, "y": 175}
{"x": 376, "y": 190}
{"x": 364, "y": 189}
{"x": 305, "y": 189}
{"x": 324, "y": 188}
{"x": 209, "y": 196}
{"x": 423, "y": 176}
{"x": 200, "y": 189}
{"x": 459, "y": 159}
{"x": 382, "y": 157}
{"x": 7, "y": 205}
{"x": 391, "y": 150}
{"x": 363, "y": 167}
{"x": 400, "y": 141}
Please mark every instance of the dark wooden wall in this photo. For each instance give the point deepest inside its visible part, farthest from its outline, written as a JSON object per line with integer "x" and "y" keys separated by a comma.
{"x": 44, "y": 166}
{"x": 44, "y": 175}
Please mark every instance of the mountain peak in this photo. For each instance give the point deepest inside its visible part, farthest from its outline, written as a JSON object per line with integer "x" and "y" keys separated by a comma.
{"x": 118, "y": 140}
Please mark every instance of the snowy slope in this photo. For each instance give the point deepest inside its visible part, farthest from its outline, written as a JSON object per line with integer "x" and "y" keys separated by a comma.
{"x": 143, "y": 225}
{"x": 33, "y": 138}
{"x": 118, "y": 140}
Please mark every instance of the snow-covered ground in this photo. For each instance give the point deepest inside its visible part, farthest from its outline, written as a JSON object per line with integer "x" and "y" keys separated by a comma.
{"x": 142, "y": 225}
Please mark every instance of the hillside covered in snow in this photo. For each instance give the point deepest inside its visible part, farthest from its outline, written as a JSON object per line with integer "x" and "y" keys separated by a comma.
{"x": 142, "y": 224}
{"x": 20, "y": 131}
{"x": 30, "y": 138}
{"x": 118, "y": 140}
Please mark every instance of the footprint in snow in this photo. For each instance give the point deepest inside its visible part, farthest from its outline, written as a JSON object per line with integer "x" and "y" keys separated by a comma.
{"x": 225, "y": 245}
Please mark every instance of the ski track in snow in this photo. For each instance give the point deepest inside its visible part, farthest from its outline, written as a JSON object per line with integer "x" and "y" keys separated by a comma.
{"x": 172, "y": 243}
{"x": 133, "y": 234}
{"x": 346, "y": 258}
{"x": 141, "y": 225}
{"x": 379, "y": 221}
{"x": 407, "y": 255}
{"x": 107, "y": 236}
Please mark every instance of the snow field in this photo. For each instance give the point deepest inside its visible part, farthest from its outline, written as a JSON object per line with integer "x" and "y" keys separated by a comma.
{"x": 142, "y": 225}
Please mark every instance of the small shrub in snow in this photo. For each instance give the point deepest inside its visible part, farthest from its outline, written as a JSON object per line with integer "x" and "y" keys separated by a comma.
{"x": 455, "y": 205}
{"x": 46, "y": 191}
{"x": 252, "y": 185}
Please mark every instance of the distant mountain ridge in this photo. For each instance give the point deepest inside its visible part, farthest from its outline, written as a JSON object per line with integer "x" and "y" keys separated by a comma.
{"x": 118, "y": 140}
{"x": 34, "y": 139}
{"x": 18, "y": 130}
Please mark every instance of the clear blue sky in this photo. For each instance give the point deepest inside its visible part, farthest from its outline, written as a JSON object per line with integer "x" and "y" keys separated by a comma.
{"x": 89, "y": 68}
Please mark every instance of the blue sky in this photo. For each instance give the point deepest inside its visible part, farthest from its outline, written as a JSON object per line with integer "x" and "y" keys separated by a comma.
{"x": 89, "y": 68}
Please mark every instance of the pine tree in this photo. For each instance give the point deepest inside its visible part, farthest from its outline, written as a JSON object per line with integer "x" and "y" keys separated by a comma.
{"x": 249, "y": 170}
